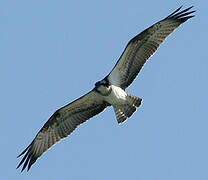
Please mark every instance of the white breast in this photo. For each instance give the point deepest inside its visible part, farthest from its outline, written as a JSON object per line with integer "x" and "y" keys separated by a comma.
{"x": 117, "y": 96}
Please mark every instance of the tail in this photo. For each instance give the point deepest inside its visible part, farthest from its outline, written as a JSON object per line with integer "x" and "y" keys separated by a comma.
{"x": 126, "y": 110}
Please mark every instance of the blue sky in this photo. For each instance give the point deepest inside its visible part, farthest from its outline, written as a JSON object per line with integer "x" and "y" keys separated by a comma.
{"x": 52, "y": 52}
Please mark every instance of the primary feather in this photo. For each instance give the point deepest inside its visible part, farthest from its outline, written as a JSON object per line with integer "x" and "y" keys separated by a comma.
{"x": 61, "y": 124}
{"x": 143, "y": 46}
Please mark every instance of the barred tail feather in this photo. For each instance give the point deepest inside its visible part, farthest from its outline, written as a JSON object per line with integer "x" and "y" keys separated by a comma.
{"x": 126, "y": 110}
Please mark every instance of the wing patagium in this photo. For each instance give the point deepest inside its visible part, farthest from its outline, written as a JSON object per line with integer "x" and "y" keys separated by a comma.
{"x": 62, "y": 123}
{"x": 143, "y": 46}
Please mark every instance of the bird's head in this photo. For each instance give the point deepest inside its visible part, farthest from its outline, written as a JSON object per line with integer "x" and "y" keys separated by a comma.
{"x": 103, "y": 87}
{"x": 102, "y": 83}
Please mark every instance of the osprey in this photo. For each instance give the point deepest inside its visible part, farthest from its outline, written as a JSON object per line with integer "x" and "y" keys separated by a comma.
{"x": 108, "y": 92}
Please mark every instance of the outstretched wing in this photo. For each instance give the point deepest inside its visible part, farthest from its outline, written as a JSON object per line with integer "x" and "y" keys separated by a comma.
{"x": 61, "y": 124}
{"x": 143, "y": 46}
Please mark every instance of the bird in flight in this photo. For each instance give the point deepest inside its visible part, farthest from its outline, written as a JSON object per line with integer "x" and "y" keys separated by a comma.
{"x": 108, "y": 92}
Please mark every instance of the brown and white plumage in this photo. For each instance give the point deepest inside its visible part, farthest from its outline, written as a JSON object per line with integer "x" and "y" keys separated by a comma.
{"x": 61, "y": 124}
{"x": 143, "y": 46}
{"x": 109, "y": 91}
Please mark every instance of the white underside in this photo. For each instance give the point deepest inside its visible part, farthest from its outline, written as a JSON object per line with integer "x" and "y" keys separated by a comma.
{"x": 117, "y": 96}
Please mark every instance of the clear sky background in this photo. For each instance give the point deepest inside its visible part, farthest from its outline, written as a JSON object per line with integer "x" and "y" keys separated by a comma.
{"x": 53, "y": 52}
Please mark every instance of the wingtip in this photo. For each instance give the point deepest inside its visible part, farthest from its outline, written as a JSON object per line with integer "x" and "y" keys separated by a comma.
{"x": 22, "y": 170}
{"x": 178, "y": 9}
{"x": 177, "y": 13}
{"x": 19, "y": 166}
{"x": 185, "y": 9}
{"x": 190, "y": 7}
